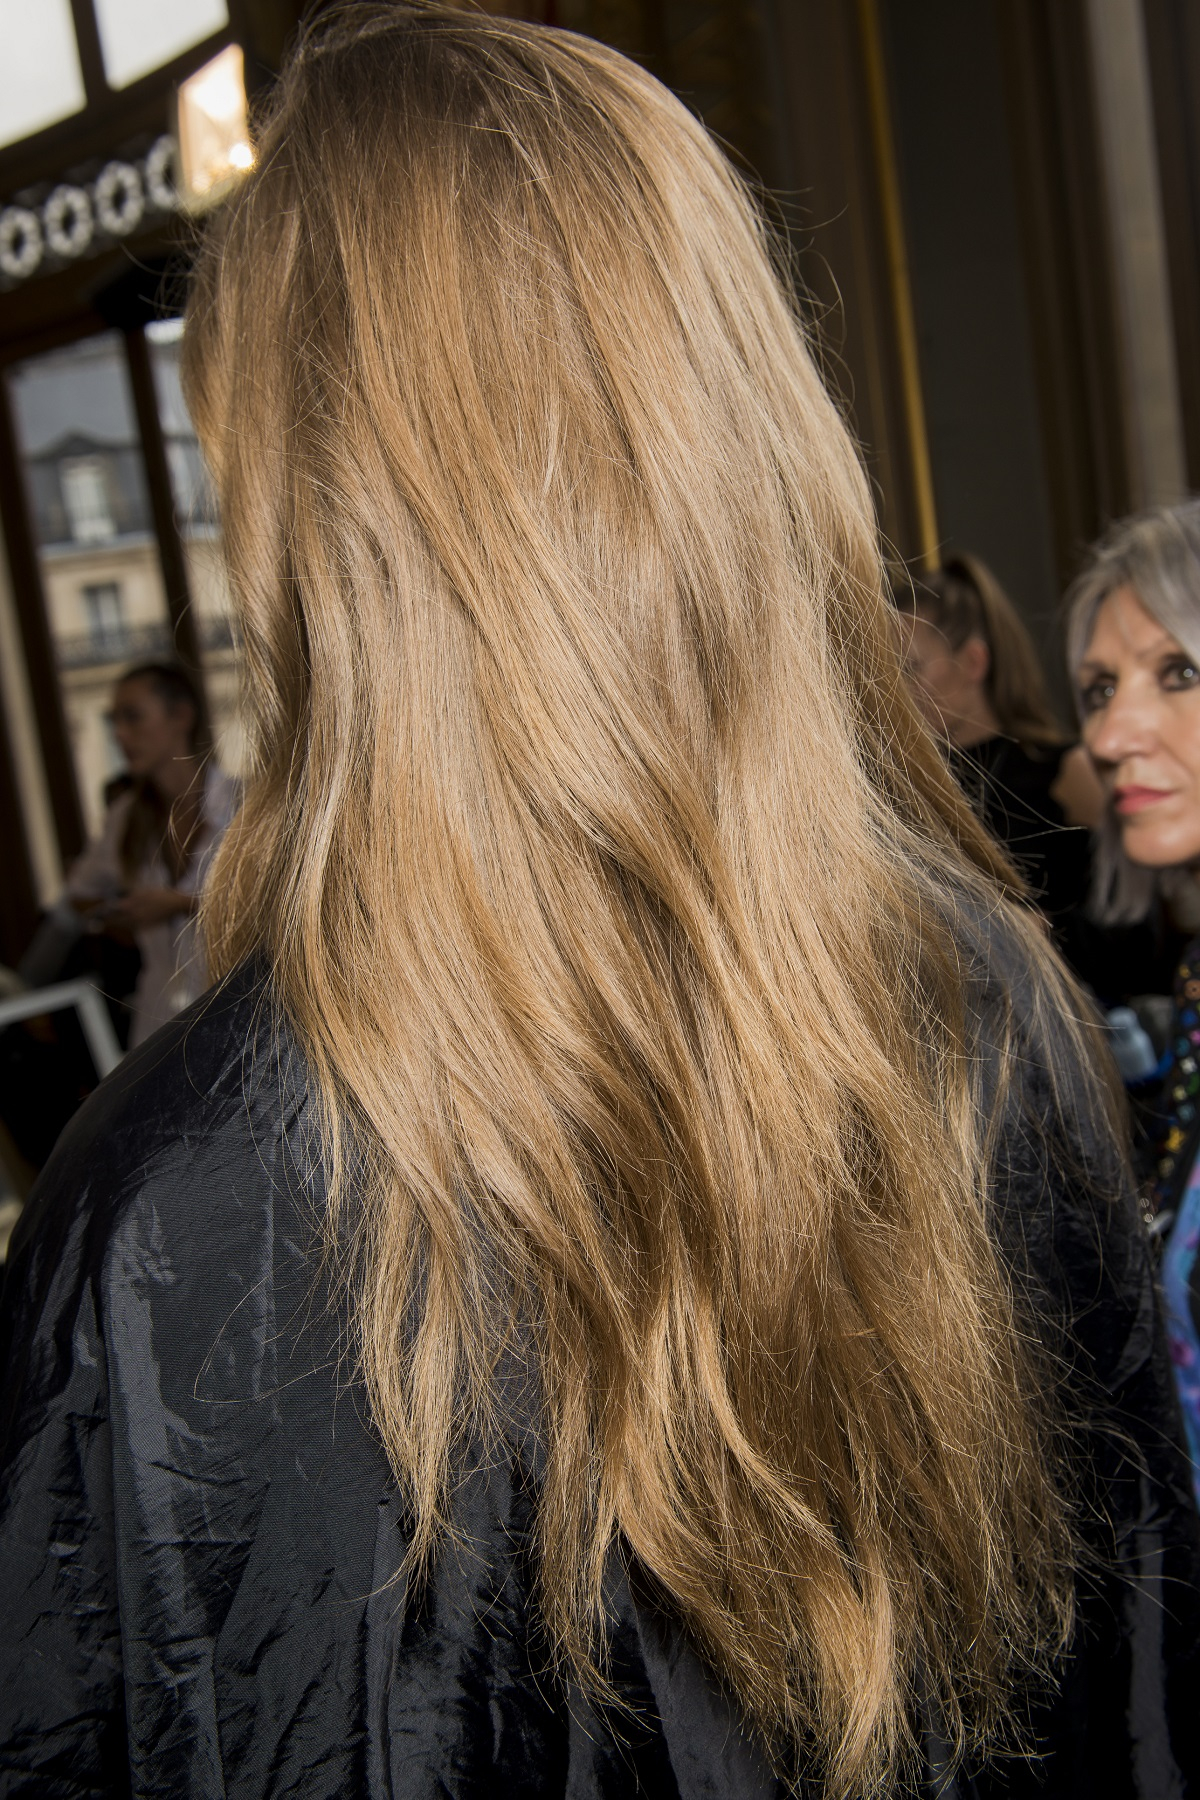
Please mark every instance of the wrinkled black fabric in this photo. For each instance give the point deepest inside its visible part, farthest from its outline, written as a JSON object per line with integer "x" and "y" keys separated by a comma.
{"x": 200, "y": 1538}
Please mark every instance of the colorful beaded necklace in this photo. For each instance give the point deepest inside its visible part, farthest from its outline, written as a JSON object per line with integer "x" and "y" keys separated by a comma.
{"x": 1182, "y": 1092}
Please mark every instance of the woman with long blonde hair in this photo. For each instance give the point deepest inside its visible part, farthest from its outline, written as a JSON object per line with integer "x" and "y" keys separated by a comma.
{"x": 624, "y": 1287}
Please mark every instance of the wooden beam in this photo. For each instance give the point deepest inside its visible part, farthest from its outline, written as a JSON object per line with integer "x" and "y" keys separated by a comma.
{"x": 848, "y": 241}
{"x": 904, "y": 325}
{"x": 30, "y": 603}
{"x": 18, "y": 894}
{"x": 166, "y": 521}
{"x": 91, "y": 56}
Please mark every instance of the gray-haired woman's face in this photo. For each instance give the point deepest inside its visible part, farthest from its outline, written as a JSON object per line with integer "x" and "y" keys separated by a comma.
{"x": 1140, "y": 696}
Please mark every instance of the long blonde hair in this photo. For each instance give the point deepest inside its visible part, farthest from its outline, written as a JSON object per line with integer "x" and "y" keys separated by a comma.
{"x": 604, "y": 870}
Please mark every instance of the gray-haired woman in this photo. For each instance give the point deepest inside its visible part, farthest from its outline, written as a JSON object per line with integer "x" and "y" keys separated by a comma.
{"x": 1133, "y": 643}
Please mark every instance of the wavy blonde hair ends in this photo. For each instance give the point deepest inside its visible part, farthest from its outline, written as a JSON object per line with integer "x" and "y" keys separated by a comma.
{"x": 590, "y": 837}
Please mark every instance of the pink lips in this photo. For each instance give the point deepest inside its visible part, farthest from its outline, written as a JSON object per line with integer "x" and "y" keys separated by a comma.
{"x": 1137, "y": 799}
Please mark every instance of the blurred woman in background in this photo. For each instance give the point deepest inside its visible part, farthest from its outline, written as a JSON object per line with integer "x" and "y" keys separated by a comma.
{"x": 628, "y": 1285}
{"x": 142, "y": 877}
{"x": 978, "y": 680}
{"x": 127, "y": 916}
{"x": 1134, "y": 649}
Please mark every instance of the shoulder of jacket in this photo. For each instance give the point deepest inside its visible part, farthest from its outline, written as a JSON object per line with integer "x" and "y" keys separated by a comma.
{"x": 218, "y": 1071}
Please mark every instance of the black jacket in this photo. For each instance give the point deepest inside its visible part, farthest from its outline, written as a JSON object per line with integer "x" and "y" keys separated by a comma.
{"x": 199, "y": 1534}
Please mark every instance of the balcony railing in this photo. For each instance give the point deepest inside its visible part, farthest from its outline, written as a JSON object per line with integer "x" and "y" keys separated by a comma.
{"x": 136, "y": 643}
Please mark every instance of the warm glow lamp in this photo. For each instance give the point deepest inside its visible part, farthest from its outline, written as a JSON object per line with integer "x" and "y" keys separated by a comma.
{"x": 214, "y": 132}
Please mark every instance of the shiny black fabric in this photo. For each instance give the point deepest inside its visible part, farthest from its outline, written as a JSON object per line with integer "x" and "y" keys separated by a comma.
{"x": 200, "y": 1537}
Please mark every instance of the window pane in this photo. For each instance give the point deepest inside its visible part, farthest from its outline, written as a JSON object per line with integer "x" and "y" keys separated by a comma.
{"x": 39, "y": 67}
{"x": 139, "y": 35}
{"x": 200, "y": 529}
{"x": 104, "y": 610}
{"x": 88, "y": 498}
{"x": 99, "y": 557}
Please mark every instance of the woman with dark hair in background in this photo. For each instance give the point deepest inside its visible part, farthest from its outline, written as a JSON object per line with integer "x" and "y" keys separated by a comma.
{"x": 627, "y": 1285}
{"x": 142, "y": 877}
{"x": 978, "y": 680}
{"x": 1133, "y": 643}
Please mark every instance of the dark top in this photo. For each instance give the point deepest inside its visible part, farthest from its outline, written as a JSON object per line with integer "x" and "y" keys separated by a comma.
{"x": 200, "y": 1535}
{"x": 1008, "y": 784}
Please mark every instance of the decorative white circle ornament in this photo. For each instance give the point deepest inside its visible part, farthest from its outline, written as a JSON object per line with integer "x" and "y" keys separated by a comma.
{"x": 67, "y": 220}
{"x": 119, "y": 197}
{"x": 160, "y": 174}
{"x": 20, "y": 242}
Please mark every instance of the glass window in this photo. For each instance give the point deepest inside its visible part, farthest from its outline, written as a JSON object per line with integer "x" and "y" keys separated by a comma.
{"x": 200, "y": 529}
{"x": 100, "y": 566}
{"x": 137, "y": 36}
{"x": 103, "y": 610}
{"x": 40, "y": 79}
{"x": 86, "y": 498}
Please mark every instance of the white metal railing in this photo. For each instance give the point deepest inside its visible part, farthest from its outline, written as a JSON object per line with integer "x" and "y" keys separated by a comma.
{"x": 82, "y": 995}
